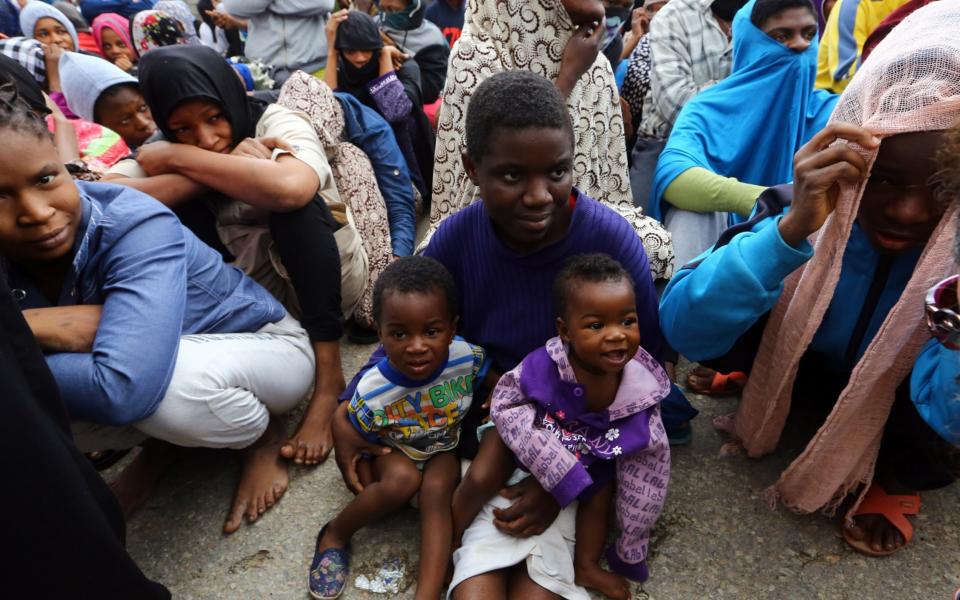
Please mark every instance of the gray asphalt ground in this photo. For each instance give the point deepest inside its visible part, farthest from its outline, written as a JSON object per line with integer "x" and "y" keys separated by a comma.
{"x": 716, "y": 539}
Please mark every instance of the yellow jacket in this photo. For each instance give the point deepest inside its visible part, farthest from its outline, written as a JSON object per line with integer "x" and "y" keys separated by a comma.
{"x": 848, "y": 26}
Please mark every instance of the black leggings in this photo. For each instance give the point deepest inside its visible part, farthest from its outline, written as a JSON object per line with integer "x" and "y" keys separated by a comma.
{"x": 308, "y": 250}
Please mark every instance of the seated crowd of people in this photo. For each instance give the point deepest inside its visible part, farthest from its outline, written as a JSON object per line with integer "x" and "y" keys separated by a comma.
{"x": 535, "y": 208}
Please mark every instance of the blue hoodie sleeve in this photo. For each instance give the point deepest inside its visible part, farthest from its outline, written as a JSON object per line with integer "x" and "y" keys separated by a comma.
{"x": 936, "y": 391}
{"x": 144, "y": 277}
{"x": 368, "y": 131}
{"x": 708, "y": 306}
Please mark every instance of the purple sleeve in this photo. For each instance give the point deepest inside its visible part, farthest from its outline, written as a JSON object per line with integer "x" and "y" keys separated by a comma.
{"x": 61, "y": 101}
{"x": 391, "y": 99}
{"x": 557, "y": 470}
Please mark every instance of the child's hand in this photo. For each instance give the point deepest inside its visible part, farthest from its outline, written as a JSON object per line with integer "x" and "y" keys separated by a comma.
{"x": 349, "y": 447}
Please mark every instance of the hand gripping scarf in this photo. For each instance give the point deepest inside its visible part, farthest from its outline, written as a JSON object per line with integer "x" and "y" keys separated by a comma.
{"x": 911, "y": 83}
{"x": 505, "y": 35}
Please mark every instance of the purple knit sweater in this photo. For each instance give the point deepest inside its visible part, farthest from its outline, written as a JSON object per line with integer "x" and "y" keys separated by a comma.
{"x": 506, "y": 301}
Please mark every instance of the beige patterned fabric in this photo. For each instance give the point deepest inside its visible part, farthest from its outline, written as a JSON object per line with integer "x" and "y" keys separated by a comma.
{"x": 503, "y": 35}
{"x": 911, "y": 83}
{"x": 352, "y": 173}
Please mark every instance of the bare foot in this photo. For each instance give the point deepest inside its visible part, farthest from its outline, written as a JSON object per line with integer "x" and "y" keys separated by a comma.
{"x": 312, "y": 442}
{"x": 135, "y": 483}
{"x": 878, "y": 533}
{"x": 263, "y": 479}
{"x": 610, "y": 584}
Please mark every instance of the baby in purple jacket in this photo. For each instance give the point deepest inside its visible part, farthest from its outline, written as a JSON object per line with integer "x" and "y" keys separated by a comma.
{"x": 582, "y": 415}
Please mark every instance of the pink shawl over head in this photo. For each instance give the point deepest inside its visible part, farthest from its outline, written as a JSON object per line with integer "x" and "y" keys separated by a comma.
{"x": 119, "y": 25}
{"x": 911, "y": 83}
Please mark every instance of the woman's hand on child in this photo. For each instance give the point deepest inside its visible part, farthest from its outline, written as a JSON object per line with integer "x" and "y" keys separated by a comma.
{"x": 349, "y": 447}
{"x": 531, "y": 513}
{"x": 819, "y": 167}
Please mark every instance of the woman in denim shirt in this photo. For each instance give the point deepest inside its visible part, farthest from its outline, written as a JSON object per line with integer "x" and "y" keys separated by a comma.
{"x": 147, "y": 332}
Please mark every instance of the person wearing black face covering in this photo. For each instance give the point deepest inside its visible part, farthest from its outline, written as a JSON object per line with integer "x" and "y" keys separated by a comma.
{"x": 386, "y": 80}
{"x": 265, "y": 174}
{"x": 403, "y": 23}
{"x": 64, "y": 135}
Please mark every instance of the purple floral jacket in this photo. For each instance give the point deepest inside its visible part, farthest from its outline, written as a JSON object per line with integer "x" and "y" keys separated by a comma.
{"x": 540, "y": 412}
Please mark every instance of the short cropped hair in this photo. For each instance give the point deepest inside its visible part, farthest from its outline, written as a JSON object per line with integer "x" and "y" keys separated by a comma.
{"x": 585, "y": 268}
{"x": 415, "y": 274}
{"x": 764, "y": 9}
{"x": 513, "y": 100}
{"x": 17, "y": 114}
{"x": 110, "y": 92}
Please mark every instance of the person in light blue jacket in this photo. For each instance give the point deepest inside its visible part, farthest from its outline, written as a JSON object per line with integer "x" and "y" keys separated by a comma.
{"x": 147, "y": 332}
{"x": 716, "y": 309}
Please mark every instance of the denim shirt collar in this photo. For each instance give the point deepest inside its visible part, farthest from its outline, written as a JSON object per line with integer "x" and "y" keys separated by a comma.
{"x": 90, "y": 217}
{"x": 26, "y": 292}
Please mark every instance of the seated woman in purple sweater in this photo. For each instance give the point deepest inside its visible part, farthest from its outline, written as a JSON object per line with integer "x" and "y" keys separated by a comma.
{"x": 504, "y": 254}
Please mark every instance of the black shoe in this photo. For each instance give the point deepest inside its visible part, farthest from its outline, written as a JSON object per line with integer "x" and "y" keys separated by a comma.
{"x": 361, "y": 335}
{"x": 104, "y": 459}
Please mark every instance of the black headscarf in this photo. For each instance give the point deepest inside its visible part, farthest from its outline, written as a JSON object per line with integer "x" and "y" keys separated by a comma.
{"x": 358, "y": 32}
{"x": 173, "y": 74}
{"x": 27, "y": 87}
{"x": 726, "y": 9}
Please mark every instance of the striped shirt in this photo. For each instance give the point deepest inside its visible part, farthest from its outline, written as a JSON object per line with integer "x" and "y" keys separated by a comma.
{"x": 689, "y": 52}
{"x": 421, "y": 418}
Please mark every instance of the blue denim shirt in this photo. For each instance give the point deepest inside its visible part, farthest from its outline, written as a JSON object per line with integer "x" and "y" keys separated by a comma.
{"x": 156, "y": 282}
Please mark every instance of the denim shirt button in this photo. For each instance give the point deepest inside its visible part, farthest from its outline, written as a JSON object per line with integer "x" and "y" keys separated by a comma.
{"x": 578, "y": 391}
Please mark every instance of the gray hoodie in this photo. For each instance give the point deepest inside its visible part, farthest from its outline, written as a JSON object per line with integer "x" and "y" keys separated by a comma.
{"x": 285, "y": 33}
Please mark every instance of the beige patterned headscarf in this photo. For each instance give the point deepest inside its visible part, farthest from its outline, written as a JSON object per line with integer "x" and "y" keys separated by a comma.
{"x": 910, "y": 83}
{"x": 505, "y": 35}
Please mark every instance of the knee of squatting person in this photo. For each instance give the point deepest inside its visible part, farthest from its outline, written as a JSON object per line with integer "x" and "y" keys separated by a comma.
{"x": 100, "y": 271}
{"x": 277, "y": 208}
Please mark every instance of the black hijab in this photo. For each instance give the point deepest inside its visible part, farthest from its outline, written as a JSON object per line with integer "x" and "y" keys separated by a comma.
{"x": 27, "y": 87}
{"x": 358, "y": 32}
{"x": 171, "y": 75}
